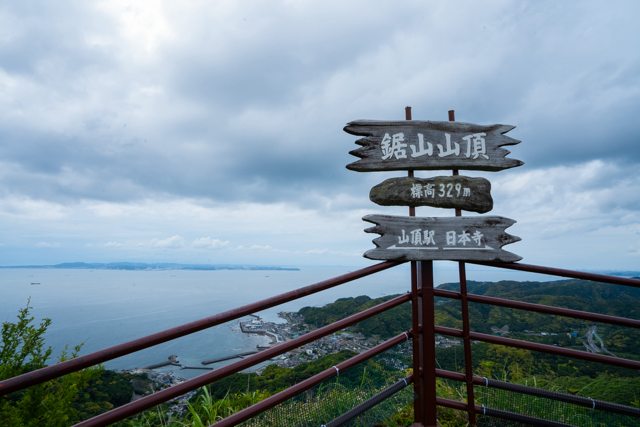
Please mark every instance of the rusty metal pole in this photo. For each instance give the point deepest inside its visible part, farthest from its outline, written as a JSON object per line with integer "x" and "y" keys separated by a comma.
{"x": 418, "y": 384}
{"x": 468, "y": 363}
{"x": 424, "y": 356}
{"x": 416, "y": 324}
{"x": 425, "y": 273}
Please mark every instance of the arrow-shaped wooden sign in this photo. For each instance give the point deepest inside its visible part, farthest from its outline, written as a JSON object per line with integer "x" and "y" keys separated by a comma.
{"x": 449, "y": 192}
{"x": 478, "y": 238}
{"x": 426, "y": 145}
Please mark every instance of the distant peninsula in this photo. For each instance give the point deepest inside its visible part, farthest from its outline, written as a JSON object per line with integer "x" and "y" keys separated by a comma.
{"x": 154, "y": 266}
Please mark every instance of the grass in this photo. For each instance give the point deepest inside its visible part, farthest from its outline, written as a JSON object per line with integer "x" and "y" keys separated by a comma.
{"x": 336, "y": 396}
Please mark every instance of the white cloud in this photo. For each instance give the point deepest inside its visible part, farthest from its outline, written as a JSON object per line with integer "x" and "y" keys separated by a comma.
{"x": 47, "y": 245}
{"x": 172, "y": 242}
{"x": 133, "y": 130}
{"x": 258, "y": 247}
{"x": 209, "y": 243}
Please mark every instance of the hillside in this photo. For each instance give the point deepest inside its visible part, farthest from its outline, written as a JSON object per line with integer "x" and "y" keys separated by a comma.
{"x": 492, "y": 360}
{"x": 154, "y": 266}
{"x": 575, "y": 294}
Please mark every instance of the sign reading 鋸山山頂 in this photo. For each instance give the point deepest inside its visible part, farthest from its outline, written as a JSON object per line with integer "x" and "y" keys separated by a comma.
{"x": 427, "y": 145}
{"x": 478, "y": 238}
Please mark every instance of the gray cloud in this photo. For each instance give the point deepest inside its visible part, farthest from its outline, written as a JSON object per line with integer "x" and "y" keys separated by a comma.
{"x": 249, "y": 104}
{"x": 222, "y": 104}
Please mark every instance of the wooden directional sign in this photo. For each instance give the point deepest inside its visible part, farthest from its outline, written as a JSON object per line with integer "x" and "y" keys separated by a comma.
{"x": 425, "y": 145}
{"x": 477, "y": 238}
{"x": 460, "y": 192}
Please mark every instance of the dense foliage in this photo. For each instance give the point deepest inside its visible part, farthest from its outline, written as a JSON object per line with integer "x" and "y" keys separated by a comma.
{"x": 575, "y": 294}
{"x": 274, "y": 378}
{"x": 385, "y": 325}
{"x": 87, "y": 393}
{"x": 590, "y": 379}
{"x": 49, "y": 403}
{"x": 109, "y": 390}
{"x": 60, "y": 402}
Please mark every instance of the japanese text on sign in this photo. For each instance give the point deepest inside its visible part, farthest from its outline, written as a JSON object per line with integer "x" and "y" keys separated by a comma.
{"x": 419, "y": 237}
{"x": 394, "y": 146}
{"x": 418, "y": 190}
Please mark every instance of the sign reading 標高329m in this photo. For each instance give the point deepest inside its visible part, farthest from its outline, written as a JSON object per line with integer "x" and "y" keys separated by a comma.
{"x": 459, "y": 192}
{"x": 428, "y": 145}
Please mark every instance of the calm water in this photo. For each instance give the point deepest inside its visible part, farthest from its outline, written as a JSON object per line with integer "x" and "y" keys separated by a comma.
{"x": 103, "y": 308}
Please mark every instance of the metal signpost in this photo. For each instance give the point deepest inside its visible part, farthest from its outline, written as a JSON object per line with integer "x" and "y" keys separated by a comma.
{"x": 429, "y": 145}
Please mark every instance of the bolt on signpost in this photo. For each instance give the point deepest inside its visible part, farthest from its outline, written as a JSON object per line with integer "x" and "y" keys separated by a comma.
{"x": 430, "y": 145}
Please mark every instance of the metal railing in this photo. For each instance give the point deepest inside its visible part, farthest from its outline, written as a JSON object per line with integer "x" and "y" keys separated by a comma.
{"x": 422, "y": 335}
{"x": 427, "y": 406}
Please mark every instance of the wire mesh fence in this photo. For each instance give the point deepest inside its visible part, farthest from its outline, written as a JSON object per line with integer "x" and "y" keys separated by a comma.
{"x": 551, "y": 409}
{"x": 339, "y": 394}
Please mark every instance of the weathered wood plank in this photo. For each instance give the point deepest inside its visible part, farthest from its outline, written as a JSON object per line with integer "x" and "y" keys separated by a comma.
{"x": 449, "y": 192}
{"x": 426, "y": 145}
{"x": 477, "y": 238}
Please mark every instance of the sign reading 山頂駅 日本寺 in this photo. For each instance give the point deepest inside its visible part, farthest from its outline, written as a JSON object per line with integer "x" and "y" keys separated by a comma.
{"x": 429, "y": 145}
{"x": 478, "y": 238}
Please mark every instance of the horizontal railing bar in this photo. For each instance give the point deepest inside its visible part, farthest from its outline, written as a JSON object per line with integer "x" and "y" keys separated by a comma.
{"x": 558, "y": 351}
{"x": 450, "y": 375}
{"x": 54, "y": 371}
{"x": 547, "y": 394}
{"x": 442, "y": 293}
{"x": 576, "y": 314}
{"x": 543, "y": 348}
{"x": 305, "y": 385}
{"x": 454, "y": 404}
{"x": 563, "y": 397}
{"x": 481, "y": 410}
{"x": 525, "y": 419}
{"x": 157, "y": 398}
{"x": 603, "y": 278}
{"x": 380, "y": 397}
{"x": 448, "y": 331}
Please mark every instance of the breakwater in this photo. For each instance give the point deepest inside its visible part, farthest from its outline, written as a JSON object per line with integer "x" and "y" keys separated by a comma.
{"x": 234, "y": 356}
{"x": 173, "y": 360}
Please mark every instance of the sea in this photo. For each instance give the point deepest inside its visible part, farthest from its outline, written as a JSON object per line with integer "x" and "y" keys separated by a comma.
{"x": 103, "y": 308}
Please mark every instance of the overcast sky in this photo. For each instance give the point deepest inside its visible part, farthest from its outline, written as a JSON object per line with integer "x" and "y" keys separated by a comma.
{"x": 211, "y": 132}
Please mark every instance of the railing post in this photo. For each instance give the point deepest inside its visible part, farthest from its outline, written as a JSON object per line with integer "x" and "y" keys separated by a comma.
{"x": 468, "y": 363}
{"x": 425, "y": 274}
{"x": 416, "y": 314}
{"x": 418, "y": 384}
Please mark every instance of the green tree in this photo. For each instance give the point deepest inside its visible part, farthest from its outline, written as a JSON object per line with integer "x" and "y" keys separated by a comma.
{"x": 50, "y": 403}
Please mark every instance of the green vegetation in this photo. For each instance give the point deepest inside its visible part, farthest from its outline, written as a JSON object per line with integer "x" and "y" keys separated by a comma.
{"x": 109, "y": 390}
{"x": 588, "y": 379}
{"x": 49, "y": 403}
{"x": 575, "y": 294}
{"x": 87, "y": 393}
{"x": 274, "y": 378}
{"x": 385, "y": 325}
{"x": 60, "y": 402}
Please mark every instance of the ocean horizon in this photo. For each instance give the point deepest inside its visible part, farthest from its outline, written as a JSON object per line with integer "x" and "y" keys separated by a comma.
{"x": 103, "y": 308}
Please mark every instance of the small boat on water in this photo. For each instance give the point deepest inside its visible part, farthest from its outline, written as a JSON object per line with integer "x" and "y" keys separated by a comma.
{"x": 35, "y": 283}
